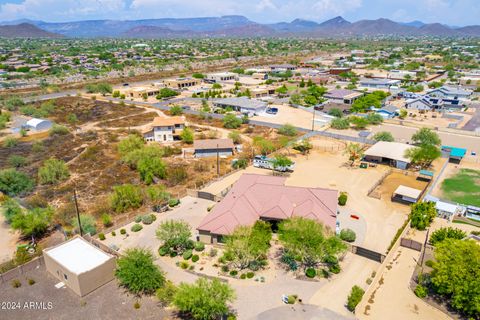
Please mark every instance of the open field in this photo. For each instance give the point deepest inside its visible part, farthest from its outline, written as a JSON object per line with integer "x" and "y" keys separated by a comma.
{"x": 463, "y": 187}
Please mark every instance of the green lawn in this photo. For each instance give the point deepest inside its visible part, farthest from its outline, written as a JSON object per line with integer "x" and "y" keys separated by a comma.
{"x": 463, "y": 188}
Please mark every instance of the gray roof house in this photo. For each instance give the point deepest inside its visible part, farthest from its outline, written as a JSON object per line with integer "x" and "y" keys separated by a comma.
{"x": 450, "y": 92}
{"x": 378, "y": 83}
{"x": 242, "y": 104}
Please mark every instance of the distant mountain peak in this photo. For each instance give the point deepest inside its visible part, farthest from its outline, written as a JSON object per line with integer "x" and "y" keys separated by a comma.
{"x": 25, "y": 30}
{"x": 336, "y": 22}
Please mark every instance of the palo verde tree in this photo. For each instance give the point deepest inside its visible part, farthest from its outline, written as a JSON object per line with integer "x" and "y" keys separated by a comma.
{"x": 174, "y": 235}
{"x": 309, "y": 241}
{"x": 33, "y": 222}
{"x": 53, "y": 171}
{"x": 205, "y": 299}
{"x": 137, "y": 272}
{"x": 247, "y": 246}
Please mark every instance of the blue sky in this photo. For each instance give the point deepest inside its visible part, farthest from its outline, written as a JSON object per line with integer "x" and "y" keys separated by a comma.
{"x": 452, "y": 12}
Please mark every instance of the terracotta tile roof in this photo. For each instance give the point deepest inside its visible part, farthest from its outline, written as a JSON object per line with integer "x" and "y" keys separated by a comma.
{"x": 213, "y": 143}
{"x": 257, "y": 196}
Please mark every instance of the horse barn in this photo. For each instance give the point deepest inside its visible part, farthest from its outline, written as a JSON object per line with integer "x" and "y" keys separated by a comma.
{"x": 391, "y": 153}
{"x": 80, "y": 265}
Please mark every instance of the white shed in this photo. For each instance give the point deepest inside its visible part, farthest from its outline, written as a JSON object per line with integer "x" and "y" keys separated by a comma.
{"x": 38, "y": 124}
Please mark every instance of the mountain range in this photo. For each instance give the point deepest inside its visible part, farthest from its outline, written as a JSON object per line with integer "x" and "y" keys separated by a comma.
{"x": 228, "y": 26}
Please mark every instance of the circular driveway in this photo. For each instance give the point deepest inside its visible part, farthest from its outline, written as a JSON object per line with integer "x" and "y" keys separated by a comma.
{"x": 300, "y": 312}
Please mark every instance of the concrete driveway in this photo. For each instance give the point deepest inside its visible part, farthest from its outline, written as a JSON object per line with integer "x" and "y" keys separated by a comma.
{"x": 301, "y": 312}
{"x": 191, "y": 209}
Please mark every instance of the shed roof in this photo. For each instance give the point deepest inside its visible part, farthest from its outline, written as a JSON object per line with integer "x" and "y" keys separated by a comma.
{"x": 390, "y": 150}
{"x": 213, "y": 144}
{"x": 408, "y": 192}
{"x": 78, "y": 255}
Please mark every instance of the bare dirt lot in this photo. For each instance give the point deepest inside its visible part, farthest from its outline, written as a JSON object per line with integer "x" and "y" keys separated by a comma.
{"x": 395, "y": 179}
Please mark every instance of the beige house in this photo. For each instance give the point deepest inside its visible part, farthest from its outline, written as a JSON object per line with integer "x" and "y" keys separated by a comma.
{"x": 164, "y": 129}
{"x": 181, "y": 83}
{"x": 80, "y": 265}
{"x": 140, "y": 92}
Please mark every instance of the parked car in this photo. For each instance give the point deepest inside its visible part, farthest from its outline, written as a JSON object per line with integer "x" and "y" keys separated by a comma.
{"x": 267, "y": 163}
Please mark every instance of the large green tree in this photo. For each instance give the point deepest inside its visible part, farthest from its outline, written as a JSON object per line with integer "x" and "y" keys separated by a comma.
{"x": 174, "y": 235}
{"x": 456, "y": 274}
{"x": 204, "y": 299}
{"x": 13, "y": 182}
{"x": 126, "y": 197}
{"x": 309, "y": 240}
{"x": 230, "y": 121}
{"x": 426, "y": 136}
{"x": 137, "y": 272}
{"x": 247, "y": 246}
{"x": 422, "y": 215}
{"x": 34, "y": 222}
{"x": 131, "y": 143}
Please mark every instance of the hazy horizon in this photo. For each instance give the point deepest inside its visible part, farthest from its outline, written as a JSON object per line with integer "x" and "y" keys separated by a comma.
{"x": 449, "y": 12}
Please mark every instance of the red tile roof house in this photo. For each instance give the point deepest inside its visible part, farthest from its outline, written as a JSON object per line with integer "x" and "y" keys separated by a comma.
{"x": 258, "y": 197}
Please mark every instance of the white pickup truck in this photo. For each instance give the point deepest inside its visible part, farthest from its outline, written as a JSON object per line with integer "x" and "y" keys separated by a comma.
{"x": 267, "y": 163}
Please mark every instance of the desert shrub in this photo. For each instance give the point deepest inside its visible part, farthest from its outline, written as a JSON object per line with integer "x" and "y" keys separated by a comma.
{"x": 31, "y": 282}
{"x": 354, "y": 298}
{"x": 243, "y": 276}
{"x": 17, "y": 161}
{"x": 421, "y": 291}
{"x": 287, "y": 130}
{"x": 59, "y": 130}
{"x": 342, "y": 199}
{"x": 147, "y": 219}
{"x": 126, "y": 197}
{"x": 53, "y": 171}
{"x": 340, "y": 123}
{"x": 213, "y": 252}
{"x": 183, "y": 264}
{"x": 446, "y": 233}
{"x": 101, "y": 236}
{"x": 123, "y": 231}
{"x": 199, "y": 246}
{"x": 138, "y": 219}
{"x": 89, "y": 225}
{"x": 187, "y": 254}
{"x": 166, "y": 293}
{"x": 137, "y": 272}
{"x": 348, "y": 235}
{"x": 176, "y": 174}
{"x": 195, "y": 258}
{"x": 240, "y": 163}
{"x": 113, "y": 234}
{"x": 106, "y": 220}
{"x": 291, "y": 299}
{"x": 16, "y": 283}
{"x": 173, "y": 202}
{"x": 225, "y": 268}
{"x": 233, "y": 273}
{"x": 163, "y": 251}
{"x": 429, "y": 263}
{"x": 250, "y": 275}
{"x": 13, "y": 182}
{"x": 334, "y": 268}
{"x": 310, "y": 272}
{"x": 230, "y": 121}
{"x": 136, "y": 227}
{"x": 10, "y": 142}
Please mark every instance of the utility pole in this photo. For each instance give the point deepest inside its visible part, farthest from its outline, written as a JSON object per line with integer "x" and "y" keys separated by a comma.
{"x": 78, "y": 213}
{"x": 218, "y": 162}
